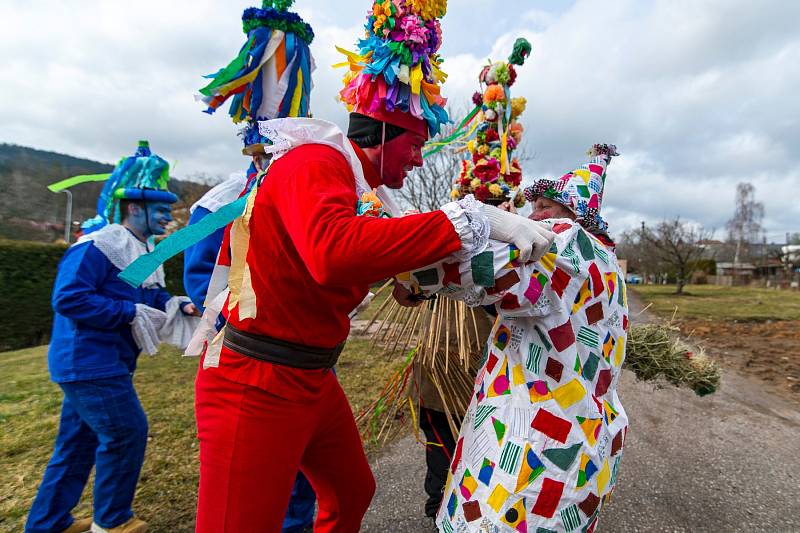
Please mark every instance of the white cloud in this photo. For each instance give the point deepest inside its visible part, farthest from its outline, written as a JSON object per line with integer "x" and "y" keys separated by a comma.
{"x": 698, "y": 95}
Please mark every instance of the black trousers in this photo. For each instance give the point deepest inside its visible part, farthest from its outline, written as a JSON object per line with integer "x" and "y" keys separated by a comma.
{"x": 437, "y": 458}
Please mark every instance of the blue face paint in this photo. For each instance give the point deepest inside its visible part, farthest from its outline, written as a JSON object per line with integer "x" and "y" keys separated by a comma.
{"x": 151, "y": 219}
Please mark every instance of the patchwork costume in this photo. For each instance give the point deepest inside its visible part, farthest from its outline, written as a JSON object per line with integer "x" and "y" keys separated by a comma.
{"x": 100, "y": 326}
{"x": 540, "y": 446}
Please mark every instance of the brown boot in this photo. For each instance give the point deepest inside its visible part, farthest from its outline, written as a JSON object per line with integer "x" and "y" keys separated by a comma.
{"x": 79, "y": 526}
{"x": 134, "y": 525}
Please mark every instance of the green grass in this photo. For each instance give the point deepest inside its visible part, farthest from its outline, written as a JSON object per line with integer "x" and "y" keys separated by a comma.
{"x": 166, "y": 495}
{"x": 723, "y": 303}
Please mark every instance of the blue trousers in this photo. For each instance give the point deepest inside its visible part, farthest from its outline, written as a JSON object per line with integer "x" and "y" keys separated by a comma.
{"x": 102, "y": 425}
{"x": 300, "y": 514}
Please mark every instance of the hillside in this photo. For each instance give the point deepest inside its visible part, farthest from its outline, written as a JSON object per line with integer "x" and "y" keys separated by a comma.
{"x": 29, "y": 211}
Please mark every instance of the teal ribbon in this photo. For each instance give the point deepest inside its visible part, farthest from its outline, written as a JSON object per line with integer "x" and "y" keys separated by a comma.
{"x": 143, "y": 267}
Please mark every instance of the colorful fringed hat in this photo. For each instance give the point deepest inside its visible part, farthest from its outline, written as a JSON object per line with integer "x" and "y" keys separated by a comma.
{"x": 491, "y": 173}
{"x": 581, "y": 190}
{"x": 141, "y": 177}
{"x": 395, "y": 76}
{"x": 271, "y": 76}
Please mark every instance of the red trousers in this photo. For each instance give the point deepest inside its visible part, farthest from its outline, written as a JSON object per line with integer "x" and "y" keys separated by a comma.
{"x": 252, "y": 443}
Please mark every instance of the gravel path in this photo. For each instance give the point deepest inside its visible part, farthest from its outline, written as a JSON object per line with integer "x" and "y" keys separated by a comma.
{"x": 728, "y": 462}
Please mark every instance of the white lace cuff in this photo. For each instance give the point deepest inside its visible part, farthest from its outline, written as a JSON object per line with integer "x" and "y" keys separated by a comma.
{"x": 471, "y": 225}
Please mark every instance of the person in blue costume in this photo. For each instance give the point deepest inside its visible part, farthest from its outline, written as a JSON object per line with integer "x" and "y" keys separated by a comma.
{"x": 273, "y": 82}
{"x": 100, "y": 326}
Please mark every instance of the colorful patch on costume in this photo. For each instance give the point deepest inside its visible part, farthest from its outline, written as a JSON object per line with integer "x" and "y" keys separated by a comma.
{"x": 590, "y": 367}
{"x": 452, "y": 275}
{"x": 517, "y": 375}
{"x": 583, "y": 296}
{"x": 536, "y": 285}
{"x": 428, "y": 277}
{"x": 482, "y": 268}
{"x": 549, "y": 498}
{"x": 515, "y": 517}
{"x": 531, "y": 468}
{"x": 594, "y": 313}
{"x": 610, "y": 413}
{"x": 499, "y": 430}
{"x": 597, "y": 280}
{"x": 451, "y": 505}
{"x": 589, "y": 504}
{"x": 501, "y": 337}
{"x": 590, "y": 428}
{"x": 468, "y": 485}
{"x": 543, "y": 338}
{"x": 608, "y": 347}
{"x": 570, "y": 518}
{"x": 559, "y": 281}
{"x": 611, "y": 284}
{"x": 562, "y": 336}
{"x": 534, "y": 358}
{"x": 457, "y": 456}
{"x": 498, "y": 497}
{"x": 487, "y": 469}
{"x": 586, "y": 471}
{"x": 589, "y": 337}
{"x": 569, "y": 394}
{"x": 603, "y": 382}
{"x": 603, "y": 477}
{"x": 551, "y": 425}
{"x": 585, "y": 246}
{"x": 554, "y": 369}
{"x": 491, "y": 362}
{"x": 510, "y": 301}
{"x": 616, "y": 444}
{"x": 509, "y": 457}
{"x": 563, "y": 457}
{"x": 472, "y": 511}
{"x": 513, "y": 256}
{"x": 548, "y": 261}
{"x": 539, "y": 391}
{"x": 569, "y": 253}
{"x": 482, "y": 413}
{"x": 619, "y": 353}
{"x": 501, "y": 385}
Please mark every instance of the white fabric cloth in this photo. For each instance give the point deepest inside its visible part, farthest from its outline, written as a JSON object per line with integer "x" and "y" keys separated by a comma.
{"x": 145, "y": 328}
{"x": 222, "y": 194}
{"x": 179, "y": 327}
{"x": 122, "y": 248}
{"x": 470, "y": 224}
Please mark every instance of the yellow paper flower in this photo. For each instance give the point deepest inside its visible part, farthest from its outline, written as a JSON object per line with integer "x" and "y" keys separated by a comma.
{"x": 471, "y": 146}
{"x": 495, "y": 189}
{"x": 475, "y": 183}
{"x": 483, "y": 149}
{"x": 518, "y": 106}
{"x": 428, "y": 9}
{"x": 381, "y": 12}
{"x": 455, "y": 193}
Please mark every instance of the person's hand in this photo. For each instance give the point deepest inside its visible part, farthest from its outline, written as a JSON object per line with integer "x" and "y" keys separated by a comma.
{"x": 191, "y": 310}
{"x": 532, "y": 238}
{"x": 508, "y": 206}
{"x": 404, "y": 296}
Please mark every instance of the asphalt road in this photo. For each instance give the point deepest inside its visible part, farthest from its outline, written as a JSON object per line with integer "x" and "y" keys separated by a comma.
{"x": 724, "y": 463}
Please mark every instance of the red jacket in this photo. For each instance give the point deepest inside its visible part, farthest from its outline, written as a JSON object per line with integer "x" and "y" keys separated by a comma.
{"x": 312, "y": 258}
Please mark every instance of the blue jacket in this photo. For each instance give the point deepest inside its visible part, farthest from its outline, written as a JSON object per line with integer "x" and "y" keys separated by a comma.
{"x": 91, "y": 336}
{"x": 199, "y": 261}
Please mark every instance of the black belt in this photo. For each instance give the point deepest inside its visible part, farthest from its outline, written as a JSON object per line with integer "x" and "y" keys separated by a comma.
{"x": 280, "y": 352}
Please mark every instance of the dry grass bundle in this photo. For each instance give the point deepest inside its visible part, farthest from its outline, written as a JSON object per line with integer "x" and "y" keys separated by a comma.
{"x": 654, "y": 353}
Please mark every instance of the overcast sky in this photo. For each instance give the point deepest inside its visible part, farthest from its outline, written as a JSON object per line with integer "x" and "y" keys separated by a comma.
{"x": 697, "y": 94}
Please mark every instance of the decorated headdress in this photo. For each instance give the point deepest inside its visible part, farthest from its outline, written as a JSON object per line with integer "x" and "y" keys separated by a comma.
{"x": 395, "y": 77}
{"x": 271, "y": 76}
{"x": 581, "y": 190}
{"x": 491, "y": 173}
{"x": 141, "y": 177}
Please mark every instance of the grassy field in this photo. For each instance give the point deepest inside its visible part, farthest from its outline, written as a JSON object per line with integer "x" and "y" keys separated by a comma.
{"x": 722, "y": 303}
{"x": 30, "y": 405}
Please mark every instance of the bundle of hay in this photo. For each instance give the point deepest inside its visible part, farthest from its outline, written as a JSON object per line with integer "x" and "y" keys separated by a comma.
{"x": 654, "y": 354}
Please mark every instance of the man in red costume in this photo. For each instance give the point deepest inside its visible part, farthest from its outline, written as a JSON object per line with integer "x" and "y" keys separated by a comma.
{"x": 303, "y": 255}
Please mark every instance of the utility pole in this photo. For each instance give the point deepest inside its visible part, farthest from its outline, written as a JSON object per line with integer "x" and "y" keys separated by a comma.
{"x": 68, "y": 220}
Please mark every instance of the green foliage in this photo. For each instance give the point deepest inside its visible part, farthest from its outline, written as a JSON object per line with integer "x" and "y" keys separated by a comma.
{"x": 27, "y": 273}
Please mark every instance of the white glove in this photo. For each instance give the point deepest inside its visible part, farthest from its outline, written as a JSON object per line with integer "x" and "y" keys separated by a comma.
{"x": 145, "y": 327}
{"x": 532, "y": 238}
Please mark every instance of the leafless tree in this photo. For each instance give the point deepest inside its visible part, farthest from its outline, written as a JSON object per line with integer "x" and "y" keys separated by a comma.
{"x": 675, "y": 244}
{"x": 745, "y": 227}
{"x": 429, "y": 186}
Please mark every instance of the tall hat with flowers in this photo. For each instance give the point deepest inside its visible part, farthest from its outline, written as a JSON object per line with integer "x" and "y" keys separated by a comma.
{"x": 581, "y": 190}
{"x": 270, "y": 77}
{"x": 491, "y": 173}
{"x": 141, "y": 177}
{"x": 395, "y": 77}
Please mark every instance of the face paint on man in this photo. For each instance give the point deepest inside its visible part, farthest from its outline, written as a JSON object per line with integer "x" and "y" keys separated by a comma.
{"x": 148, "y": 220}
{"x": 401, "y": 155}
